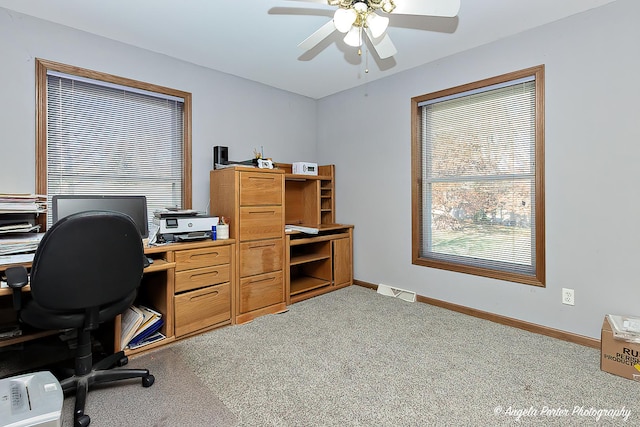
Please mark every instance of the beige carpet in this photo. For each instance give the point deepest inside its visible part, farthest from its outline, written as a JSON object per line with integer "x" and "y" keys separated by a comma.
{"x": 356, "y": 358}
{"x": 177, "y": 398}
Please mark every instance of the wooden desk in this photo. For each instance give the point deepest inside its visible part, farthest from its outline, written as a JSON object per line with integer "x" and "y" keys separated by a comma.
{"x": 189, "y": 283}
{"x": 320, "y": 263}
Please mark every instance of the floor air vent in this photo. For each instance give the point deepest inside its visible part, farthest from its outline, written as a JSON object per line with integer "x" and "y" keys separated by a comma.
{"x": 397, "y": 293}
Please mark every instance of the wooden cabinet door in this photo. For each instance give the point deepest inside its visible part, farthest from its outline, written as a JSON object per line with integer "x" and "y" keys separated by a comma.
{"x": 202, "y": 308}
{"x": 260, "y": 188}
{"x": 204, "y": 257}
{"x": 342, "y": 265}
{"x": 261, "y": 222}
{"x": 261, "y": 291}
{"x": 261, "y": 256}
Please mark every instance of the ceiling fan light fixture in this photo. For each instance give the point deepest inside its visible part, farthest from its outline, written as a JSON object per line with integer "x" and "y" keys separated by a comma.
{"x": 388, "y": 6}
{"x": 377, "y": 24}
{"x": 354, "y": 37}
{"x": 360, "y": 7}
{"x": 343, "y": 19}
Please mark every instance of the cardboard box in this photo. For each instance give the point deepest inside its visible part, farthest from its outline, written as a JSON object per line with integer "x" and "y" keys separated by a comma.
{"x": 305, "y": 168}
{"x": 619, "y": 356}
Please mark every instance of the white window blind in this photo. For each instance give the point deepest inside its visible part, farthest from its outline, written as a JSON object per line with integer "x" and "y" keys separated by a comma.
{"x": 113, "y": 140}
{"x": 478, "y": 178}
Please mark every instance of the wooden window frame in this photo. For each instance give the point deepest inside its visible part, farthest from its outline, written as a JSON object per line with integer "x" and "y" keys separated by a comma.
{"x": 538, "y": 279}
{"x": 42, "y": 66}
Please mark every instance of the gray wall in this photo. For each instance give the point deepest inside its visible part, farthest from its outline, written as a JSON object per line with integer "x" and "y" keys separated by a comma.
{"x": 592, "y": 150}
{"x": 592, "y": 158}
{"x": 227, "y": 110}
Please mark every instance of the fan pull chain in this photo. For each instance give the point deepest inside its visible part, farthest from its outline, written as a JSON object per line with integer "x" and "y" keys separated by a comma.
{"x": 366, "y": 62}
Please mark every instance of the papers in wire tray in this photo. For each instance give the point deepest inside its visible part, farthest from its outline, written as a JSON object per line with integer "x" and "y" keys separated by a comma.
{"x": 19, "y": 243}
{"x": 163, "y": 213}
{"x": 18, "y": 228}
{"x": 301, "y": 228}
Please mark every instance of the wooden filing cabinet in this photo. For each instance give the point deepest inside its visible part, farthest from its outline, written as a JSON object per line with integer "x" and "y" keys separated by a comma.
{"x": 202, "y": 288}
{"x": 253, "y": 200}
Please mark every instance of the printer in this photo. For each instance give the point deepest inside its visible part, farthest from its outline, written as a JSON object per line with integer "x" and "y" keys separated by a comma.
{"x": 183, "y": 225}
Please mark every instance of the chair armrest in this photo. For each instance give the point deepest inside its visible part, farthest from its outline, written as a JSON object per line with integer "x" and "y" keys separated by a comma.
{"x": 17, "y": 278}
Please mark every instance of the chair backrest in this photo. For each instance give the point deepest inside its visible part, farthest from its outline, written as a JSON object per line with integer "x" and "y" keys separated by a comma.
{"x": 87, "y": 260}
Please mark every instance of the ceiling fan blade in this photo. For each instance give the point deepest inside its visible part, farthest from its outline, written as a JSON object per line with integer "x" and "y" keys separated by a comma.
{"x": 315, "y": 38}
{"x": 382, "y": 45}
{"x": 446, "y": 8}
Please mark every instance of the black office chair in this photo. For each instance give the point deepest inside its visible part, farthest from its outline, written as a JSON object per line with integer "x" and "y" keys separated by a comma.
{"x": 86, "y": 271}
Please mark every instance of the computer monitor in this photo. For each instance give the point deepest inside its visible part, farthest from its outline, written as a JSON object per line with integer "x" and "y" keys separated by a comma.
{"x": 134, "y": 206}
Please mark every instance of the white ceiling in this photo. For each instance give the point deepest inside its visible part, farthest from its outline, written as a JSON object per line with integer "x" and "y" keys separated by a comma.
{"x": 257, "y": 39}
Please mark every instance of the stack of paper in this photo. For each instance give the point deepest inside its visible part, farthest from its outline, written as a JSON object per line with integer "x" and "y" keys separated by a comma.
{"x": 301, "y": 228}
{"x": 140, "y": 326}
{"x": 20, "y": 243}
{"x": 20, "y": 203}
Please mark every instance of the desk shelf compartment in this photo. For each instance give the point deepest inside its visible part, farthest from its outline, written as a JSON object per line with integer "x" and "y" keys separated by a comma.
{"x": 309, "y": 199}
{"x": 154, "y": 293}
{"x": 310, "y": 266}
{"x": 327, "y": 202}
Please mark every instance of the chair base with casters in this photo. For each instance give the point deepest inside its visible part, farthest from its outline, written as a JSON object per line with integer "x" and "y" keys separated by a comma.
{"x": 86, "y": 375}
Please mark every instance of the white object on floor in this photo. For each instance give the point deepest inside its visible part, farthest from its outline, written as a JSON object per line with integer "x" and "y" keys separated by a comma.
{"x": 31, "y": 400}
{"x": 397, "y": 293}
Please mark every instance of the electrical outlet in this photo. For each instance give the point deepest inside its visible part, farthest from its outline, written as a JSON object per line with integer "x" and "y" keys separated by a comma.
{"x": 568, "y": 296}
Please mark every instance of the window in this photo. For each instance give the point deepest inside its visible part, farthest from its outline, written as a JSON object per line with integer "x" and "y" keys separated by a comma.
{"x": 107, "y": 135}
{"x": 478, "y": 178}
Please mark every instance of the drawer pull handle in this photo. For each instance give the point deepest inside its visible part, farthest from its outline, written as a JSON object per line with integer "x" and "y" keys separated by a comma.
{"x": 266, "y": 279}
{"x": 205, "y": 255}
{"x": 269, "y": 178}
{"x": 266, "y": 245}
{"x": 262, "y": 212}
{"x": 203, "y": 295}
{"x": 214, "y": 273}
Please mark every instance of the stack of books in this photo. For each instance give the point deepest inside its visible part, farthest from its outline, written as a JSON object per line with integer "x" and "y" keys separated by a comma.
{"x": 140, "y": 326}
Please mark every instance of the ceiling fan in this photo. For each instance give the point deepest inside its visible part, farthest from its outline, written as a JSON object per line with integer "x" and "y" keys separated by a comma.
{"x": 354, "y": 17}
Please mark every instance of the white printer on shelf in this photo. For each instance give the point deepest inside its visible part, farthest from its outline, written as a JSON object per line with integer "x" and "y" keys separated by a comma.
{"x": 182, "y": 225}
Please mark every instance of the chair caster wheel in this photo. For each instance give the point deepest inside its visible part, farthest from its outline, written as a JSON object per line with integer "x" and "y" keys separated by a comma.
{"x": 82, "y": 421}
{"x": 123, "y": 361}
{"x": 148, "y": 380}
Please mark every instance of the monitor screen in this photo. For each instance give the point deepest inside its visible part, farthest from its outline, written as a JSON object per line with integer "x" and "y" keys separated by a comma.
{"x": 134, "y": 206}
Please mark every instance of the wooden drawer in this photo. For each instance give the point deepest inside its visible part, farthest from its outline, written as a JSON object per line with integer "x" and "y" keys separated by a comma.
{"x": 200, "y": 277}
{"x": 261, "y": 256}
{"x": 261, "y": 222}
{"x": 261, "y": 291}
{"x": 202, "y": 308}
{"x": 260, "y": 188}
{"x": 205, "y": 257}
